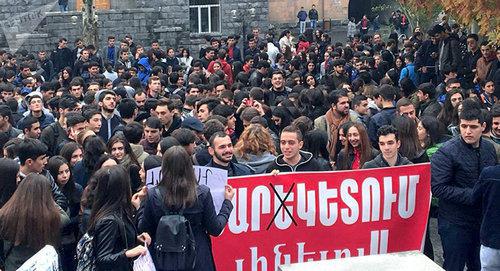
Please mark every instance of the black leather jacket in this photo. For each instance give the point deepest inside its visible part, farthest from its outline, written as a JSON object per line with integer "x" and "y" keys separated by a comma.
{"x": 112, "y": 237}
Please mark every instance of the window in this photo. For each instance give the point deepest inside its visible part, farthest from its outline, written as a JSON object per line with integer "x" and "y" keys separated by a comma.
{"x": 204, "y": 16}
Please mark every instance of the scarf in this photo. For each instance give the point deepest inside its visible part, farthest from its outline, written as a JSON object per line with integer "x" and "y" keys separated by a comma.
{"x": 357, "y": 159}
{"x": 333, "y": 123}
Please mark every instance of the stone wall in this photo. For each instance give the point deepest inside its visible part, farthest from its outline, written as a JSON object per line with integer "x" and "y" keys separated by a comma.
{"x": 138, "y": 22}
{"x": 164, "y": 20}
{"x": 12, "y": 9}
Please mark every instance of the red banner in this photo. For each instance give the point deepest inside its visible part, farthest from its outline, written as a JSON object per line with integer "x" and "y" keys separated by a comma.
{"x": 300, "y": 217}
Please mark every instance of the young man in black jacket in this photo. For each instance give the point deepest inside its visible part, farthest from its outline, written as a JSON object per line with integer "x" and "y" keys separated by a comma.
{"x": 292, "y": 158}
{"x": 33, "y": 158}
{"x": 455, "y": 169}
{"x": 221, "y": 150}
{"x": 388, "y": 142}
{"x": 110, "y": 119}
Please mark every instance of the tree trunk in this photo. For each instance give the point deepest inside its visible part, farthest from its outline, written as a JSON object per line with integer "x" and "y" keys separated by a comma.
{"x": 90, "y": 34}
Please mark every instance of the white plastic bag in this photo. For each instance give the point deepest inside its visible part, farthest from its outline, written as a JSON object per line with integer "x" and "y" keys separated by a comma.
{"x": 44, "y": 260}
{"x": 144, "y": 263}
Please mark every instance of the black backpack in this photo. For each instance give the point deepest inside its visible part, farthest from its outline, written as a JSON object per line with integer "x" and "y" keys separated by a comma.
{"x": 174, "y": 242}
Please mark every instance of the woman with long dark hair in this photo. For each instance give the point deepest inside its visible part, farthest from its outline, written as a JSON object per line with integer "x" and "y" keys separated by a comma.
{"x": 177, "y": 191}
{"x": 341, "y": 142}
{"x": 9, "y": 170}
{"x": 119, "y": 148}
{"x": 185, "y": 58}
{"x": 408, "y": 136}
{"x": 311, "y": 68}
{"x": 431, "y": 134}
{"x": 116, "y": 242}
{"x": 453, "y": 98}
{"x": 399, "y": 64}
{"x": 65, "y": 77}
{"x": 72, "y": 152}
{"x": 59, "y": 169}
{"x": 94, "y": 147}
{"x": 281, "y": 118}
{"x": 315, "y": 142}
{"x": 310, "y": 81}
{"x": 88, "y": 195}
{"x": 358, "y": 149}
{"x": 28, "y": 221}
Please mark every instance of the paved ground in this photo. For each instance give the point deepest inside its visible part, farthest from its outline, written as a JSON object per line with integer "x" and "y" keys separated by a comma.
{"x": 436, "y": 242}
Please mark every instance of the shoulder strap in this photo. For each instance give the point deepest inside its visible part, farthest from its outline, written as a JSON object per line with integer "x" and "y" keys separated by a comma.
{"x": 162, "y": 205}
{"x": 407, "y": 72}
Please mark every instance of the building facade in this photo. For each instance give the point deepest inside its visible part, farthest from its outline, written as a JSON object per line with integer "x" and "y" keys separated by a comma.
{"x": 173, "y": 23}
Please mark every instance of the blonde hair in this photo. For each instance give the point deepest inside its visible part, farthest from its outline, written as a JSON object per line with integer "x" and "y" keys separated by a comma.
{"x": 256, "y": 140}
{"x": 80, "y": 138}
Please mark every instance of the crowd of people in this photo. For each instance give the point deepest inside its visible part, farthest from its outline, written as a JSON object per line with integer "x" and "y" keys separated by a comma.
{"x": 79, "y": 129}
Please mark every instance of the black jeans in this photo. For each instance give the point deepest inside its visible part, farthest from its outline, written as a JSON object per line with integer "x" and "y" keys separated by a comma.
{"x": 460, "y": 246}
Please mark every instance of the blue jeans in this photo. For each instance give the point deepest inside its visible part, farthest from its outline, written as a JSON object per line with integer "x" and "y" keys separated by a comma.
{"x": 314, "y": 23}
{"x": 63, "y": 7}
{"x": 490, "y": 259}
{"x": 460, "y": 246}
{"x": 302, "y": 25}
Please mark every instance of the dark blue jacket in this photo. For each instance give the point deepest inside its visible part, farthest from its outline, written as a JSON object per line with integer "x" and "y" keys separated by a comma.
{"x": 384, "y": 117}
{"x": 236, "y": 169}
{"x": 455, "y": 169}
{"x": 302, "y": 15}
{"x": 487, "y": 190}
{"x": 108, "y": 126}
{"x": 81, "y": 173}
{"x": 202, "y": 217}
{"x": 423, "y": 55}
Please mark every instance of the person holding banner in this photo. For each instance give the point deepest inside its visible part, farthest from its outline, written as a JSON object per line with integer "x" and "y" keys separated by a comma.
{"x": 358, "y": 150}
{"x": 221, "y": 150}
{"x": 292, "y": 158}
{"x": 388, "y": 142}
{"x": 455, "y": 169}
{"x": 179, "y": 191}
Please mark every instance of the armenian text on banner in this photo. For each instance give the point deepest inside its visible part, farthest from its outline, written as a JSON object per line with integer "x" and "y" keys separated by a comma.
{"x": 298, "y": 217}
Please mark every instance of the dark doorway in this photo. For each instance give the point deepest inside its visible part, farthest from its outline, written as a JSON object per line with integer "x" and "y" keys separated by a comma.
{"x": 358, "y": 8}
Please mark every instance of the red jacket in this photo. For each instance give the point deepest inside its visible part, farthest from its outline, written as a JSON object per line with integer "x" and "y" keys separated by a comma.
{"x": 303, "y": 46}
{"x": 226, "y": 68}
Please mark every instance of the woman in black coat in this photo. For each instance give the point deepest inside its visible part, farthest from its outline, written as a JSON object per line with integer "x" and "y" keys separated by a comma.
{"x": 116, "y": 243}
{"x": 178, "y": 175}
